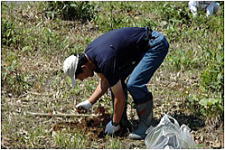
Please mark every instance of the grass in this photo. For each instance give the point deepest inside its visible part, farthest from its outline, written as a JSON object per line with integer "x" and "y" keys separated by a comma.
{"x": 32, "y": 77}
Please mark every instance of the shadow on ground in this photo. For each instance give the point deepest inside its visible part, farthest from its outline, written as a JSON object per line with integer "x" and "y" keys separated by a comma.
{"x": 192, "y": 121}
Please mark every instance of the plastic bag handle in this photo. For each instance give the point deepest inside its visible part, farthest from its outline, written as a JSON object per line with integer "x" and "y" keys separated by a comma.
{"x": 174, "y": 120}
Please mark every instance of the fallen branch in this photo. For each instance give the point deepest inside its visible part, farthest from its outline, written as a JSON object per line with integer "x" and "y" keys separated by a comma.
{"x": 60, "y": 115}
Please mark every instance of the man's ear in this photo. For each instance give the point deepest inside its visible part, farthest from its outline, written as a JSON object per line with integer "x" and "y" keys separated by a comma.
{"x": 84, "y": 67}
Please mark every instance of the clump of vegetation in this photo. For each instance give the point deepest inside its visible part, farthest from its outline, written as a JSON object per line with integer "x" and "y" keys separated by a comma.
{"x": 210, "y": 108}
{"x": 13, "y": 79}
{"x": 212, "y": 78}
{"x": 8, "y": 32}
{"x": 211, "y": 103}
{"x": 70, "y": 10}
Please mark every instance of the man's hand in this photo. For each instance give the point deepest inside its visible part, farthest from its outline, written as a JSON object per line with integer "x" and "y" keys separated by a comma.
{"x": 85, "y": 105}
{"x": 111, "y": 129}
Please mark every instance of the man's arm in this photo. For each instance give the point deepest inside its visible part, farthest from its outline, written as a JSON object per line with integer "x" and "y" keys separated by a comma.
{"x": 119, "y": 101}
{"x": 100, "y": 90}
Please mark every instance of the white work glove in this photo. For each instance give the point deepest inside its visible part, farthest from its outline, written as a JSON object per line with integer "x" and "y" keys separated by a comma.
{"x": 84, "y": 105}
{"x": 111, "y": 129}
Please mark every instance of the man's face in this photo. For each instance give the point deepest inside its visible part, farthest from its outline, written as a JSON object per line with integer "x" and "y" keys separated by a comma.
{"x": 86, "y": 72}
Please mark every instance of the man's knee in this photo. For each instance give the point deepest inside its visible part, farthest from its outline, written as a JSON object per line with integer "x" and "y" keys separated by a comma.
{"x": 131, "y": 87}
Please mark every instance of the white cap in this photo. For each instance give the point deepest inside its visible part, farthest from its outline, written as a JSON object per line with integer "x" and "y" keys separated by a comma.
{"x": 70, "y": 67}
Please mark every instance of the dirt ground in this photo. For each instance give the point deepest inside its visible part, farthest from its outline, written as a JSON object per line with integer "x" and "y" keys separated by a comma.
{"x": 94, "y": 127}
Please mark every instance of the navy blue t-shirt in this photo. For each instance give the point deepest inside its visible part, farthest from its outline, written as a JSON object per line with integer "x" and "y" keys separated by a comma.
{"x": 115, "y": 50}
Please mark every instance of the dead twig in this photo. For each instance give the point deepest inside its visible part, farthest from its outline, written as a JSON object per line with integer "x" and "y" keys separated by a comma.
{"x": 60, "y": 115}
{"x": 40, "y": 94}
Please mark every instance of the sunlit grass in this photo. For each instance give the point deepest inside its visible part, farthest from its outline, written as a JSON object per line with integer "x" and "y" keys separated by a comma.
{"x": 32, "y": 77}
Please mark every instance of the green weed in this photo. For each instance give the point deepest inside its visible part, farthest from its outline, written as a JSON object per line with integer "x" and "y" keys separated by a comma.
{"x": 180, "y": 60}
{"x": 13, "y": 79}
{"x": 210, "y": 108}
{"x": 7, "y": 33}
{"x": 64, "y": 139}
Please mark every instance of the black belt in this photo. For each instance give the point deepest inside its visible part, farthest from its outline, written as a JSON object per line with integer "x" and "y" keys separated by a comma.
{"x": 144, "y": 44}
{"x": 149, "y": 34}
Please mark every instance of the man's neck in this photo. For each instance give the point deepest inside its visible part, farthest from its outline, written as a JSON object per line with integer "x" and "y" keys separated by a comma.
{"x": 90, "y": 64}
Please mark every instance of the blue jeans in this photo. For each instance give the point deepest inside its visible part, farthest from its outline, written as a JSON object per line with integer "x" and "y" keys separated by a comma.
{"x": 142, "y": 73}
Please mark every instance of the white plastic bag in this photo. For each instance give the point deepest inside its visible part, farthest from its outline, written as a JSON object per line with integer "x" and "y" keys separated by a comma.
{"x": 168, "y": 134}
